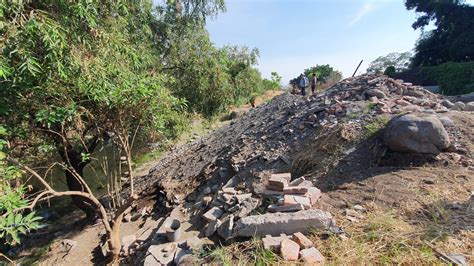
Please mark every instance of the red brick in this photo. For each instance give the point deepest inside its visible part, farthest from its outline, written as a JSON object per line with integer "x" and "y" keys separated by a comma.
{"x": 289, "y": 250}
{"x": 295, "y": 190}
{"x": 302, "y": 240}
{"x": 312, "y": 256}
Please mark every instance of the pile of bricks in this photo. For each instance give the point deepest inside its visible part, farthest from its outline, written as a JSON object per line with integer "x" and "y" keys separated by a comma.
{"x": 293, "y": 248}
{"x": 296, "y": 195}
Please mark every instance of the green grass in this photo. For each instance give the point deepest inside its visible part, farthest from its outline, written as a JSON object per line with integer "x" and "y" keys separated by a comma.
{"x": 375, "y": 126}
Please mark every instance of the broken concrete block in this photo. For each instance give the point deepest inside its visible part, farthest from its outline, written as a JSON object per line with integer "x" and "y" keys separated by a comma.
{"x": 293, "y": 200}
{"x": 247, "y": 207}
{"x": 225, "y": 230}
{"x": 213, "y": 214}
{"x": 311, "y": 256}
{"x": 297, "y": 181}
{"x": 283, "y": 223}
{"x": 295, "y": 190}
{"x": 289, "y": 250}
{"x": 302, "y": 240}
{"x": 212, "y": 227}
{"x": 273, "y": 242}
{"x": 193, "y": 243}
{"x": 242, "y": 197}
{"x": 285, "y": 176}
{"x": 314, "y": 194}
{"x": 161, "y": 254}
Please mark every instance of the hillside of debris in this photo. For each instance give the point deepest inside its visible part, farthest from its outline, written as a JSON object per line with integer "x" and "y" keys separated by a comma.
{"x": 371, "y": 170}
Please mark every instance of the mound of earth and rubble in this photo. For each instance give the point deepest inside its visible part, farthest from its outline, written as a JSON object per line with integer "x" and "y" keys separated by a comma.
{"x": 297, "y": 164}
{"x": 324, "y": 163}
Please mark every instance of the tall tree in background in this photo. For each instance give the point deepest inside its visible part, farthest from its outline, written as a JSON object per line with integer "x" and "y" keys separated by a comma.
{"x": 453, "y": 38}
{"x": 400, "y": 61}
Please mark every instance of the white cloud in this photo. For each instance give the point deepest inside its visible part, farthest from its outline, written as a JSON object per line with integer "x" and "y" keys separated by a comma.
{"x": 362, "y": 12}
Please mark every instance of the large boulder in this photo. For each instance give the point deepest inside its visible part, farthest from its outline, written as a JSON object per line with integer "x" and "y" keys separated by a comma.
{"x": 417, "y": 132}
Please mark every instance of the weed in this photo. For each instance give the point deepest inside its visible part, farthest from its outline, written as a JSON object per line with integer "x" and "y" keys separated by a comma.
{"x": 220, "y": 254}
{"x": 375, "y": 126}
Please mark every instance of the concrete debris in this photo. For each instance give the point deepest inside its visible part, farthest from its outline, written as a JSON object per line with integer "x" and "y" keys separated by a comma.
{"x": 225, "y": 229}
{"x": 212, "y": 227}
{"x": 213, "y": 214}
{"x": 273, "y": 242}
{"x": 283, "y": 223}
{"x": 162, "y": 254}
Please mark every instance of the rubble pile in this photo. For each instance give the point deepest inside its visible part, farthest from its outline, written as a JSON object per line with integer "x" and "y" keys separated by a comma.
{"x": 240, "y": 180}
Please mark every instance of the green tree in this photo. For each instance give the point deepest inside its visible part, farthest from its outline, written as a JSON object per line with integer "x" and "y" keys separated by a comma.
{"x": 324, "y": 73}
{"x": 400, "y": 61}
{"x": 453, "y": 38}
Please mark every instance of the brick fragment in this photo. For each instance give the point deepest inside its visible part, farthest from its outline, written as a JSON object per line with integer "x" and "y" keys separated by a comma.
{"x": 312, "y": 256}
{"x": 302, "y": 240}
{"x": 289, "y": 250}
{"x": 295, "y": 190}
{"x": 314, "y": 194}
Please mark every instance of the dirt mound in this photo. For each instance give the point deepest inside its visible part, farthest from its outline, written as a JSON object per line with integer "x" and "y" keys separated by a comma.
{"x": 334, "y": 140}
{"x": 292, "y": 133}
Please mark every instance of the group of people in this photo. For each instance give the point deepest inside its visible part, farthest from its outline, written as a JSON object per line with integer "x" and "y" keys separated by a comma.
{"x": 303, "y": 82}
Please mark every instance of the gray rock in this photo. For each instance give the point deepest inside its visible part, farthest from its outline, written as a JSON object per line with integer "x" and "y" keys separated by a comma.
{"x": 212, "y": 227}
{"x": 225, "y": 230}
{"x": 283, "y": 223}
{"x": 447, "y": 103}
{"x": 459, "y": 106}
{"x": 446, "y": 121}
{"x": 469, "y": 106}
{"x": 375, "y": 92}
{"x": 213, "y": 214}
{"x": 418, "y": 133}
{"x": 247, "y": 206}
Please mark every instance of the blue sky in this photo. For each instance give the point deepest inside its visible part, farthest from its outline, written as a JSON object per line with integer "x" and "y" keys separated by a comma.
{"x": 295, "y": 34}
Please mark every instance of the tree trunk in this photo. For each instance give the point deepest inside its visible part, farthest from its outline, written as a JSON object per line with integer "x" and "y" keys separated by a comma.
{"x": 74, "y": 185}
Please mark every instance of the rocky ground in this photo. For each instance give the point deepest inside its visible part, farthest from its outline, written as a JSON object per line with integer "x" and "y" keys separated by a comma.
{"x": 375, "y": 170}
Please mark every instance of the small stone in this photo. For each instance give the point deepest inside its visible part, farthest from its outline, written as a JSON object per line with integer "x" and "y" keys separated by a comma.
{"x": 213, "y": 214}
{"x": 311, "y": 256}
{"x": 212, "y": 227}
{"x": 206, "y": 201}
{"x": 229, "y": 190}
{"x": 302, "y": 240}
{"x": 289, "y": 250}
